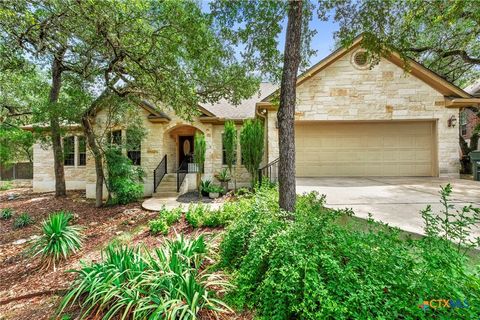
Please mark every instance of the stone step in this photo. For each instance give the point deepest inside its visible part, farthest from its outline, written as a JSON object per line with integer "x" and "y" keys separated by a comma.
{"x": 166, "y": 194}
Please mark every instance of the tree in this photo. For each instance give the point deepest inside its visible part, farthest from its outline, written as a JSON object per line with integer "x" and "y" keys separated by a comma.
{"x": 199, "y": 149}
{"x": 443, "y": 34}
{"x": 286, "y": 110}
{"x": 164, "y": 52}
{"x": 230, "y": 146}
{"x": 252, "y": 147}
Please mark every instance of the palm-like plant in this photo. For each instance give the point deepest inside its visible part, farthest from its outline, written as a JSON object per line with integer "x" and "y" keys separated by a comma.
{"x": 58, "y": 240}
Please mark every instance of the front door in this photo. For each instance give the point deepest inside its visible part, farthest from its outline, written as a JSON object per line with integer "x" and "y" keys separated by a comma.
{"x": 185, "y": 151}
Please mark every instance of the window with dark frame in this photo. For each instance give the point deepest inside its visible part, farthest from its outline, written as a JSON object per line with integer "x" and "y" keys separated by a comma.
{"x": 82, "y": 151}
{"x": 69, "y": 151}
{"x": 116, "y": 137}
{"x": 134, "y": 149}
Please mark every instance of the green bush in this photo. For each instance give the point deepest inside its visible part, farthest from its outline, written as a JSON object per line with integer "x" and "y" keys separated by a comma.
{"x": 200, "y": 215}
{"x": 309, "y": 265}
{"x": 124, "y": 180}
{"x": 7, "y": 185}
{"x": 6, "y": 213}
{"x": 204, "y": 185}
{"x": 165, "y": 219}
{"x": 158, "y": 226}
{"x": 58, "y": 239}
{"x": 165, "y": 283}
{"x": 22, "y": 221}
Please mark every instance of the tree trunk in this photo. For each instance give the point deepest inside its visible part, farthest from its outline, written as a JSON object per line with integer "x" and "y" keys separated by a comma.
{"x": 286, "y": 111}
{"x": 97, "y": 156}
{"x": 60, "y": 189}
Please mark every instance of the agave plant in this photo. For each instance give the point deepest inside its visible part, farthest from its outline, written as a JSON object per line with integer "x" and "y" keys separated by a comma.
{"x": 58, "y": 240}
{"x": 133, "y": 283}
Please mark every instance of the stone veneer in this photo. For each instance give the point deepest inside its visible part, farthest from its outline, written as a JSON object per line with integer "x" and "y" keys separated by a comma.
{"x": 343, "y": 92}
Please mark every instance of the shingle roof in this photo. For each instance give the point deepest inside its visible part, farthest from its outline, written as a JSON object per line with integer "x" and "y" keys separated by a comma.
{"x": 474, "y": 89}
{"x": 246, "y": 108}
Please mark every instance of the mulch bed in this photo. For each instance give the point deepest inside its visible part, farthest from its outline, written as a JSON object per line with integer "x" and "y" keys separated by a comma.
{"x": 26, "y": 292}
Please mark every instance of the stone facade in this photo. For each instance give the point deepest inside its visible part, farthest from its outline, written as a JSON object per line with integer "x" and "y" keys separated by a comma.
{"x": 43, "y": 172}
{"x": 344, "y": 92}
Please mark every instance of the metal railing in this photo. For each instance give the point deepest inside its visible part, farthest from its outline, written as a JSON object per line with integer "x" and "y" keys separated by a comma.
{"x": 181, "y": 173}
{"x": 20, "y": 170}
{"x": 269, "y": 171}
{"x": 159, "y": 173}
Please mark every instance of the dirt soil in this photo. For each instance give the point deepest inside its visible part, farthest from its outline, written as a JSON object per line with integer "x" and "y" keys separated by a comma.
{"x": 26, "y": 291}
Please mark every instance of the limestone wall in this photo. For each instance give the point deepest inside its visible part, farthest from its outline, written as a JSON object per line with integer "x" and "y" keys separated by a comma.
{"x": 344, "y": 92}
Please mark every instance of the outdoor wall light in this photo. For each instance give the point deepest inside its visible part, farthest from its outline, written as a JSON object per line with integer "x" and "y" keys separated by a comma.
{"x": 452, "y": 121}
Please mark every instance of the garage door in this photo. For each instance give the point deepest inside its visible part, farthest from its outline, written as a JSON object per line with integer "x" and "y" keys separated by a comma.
{"x": 365, "y": 148}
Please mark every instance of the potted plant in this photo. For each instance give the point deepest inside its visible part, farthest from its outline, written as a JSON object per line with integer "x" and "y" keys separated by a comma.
{"x": 204, "y": 185}
{"x": 214, "y": 191}
{"x": 224, "y": 178}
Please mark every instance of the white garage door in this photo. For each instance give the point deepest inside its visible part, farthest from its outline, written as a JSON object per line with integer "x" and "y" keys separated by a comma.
{"x": 365, "y": 148}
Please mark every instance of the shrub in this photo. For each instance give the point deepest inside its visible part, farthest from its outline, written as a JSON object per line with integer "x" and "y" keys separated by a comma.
{"x": 163, "y": 284}
{"x": 158, "y": 226}
{"x": 22, "y": 221}
{"x": 252, "y": 145}
{"x": 165, "y": 219}
{"x": 310, "y": 266}
{"x": 204, "y": 185}
{"x": 199, "y": 215}
{"x": 7, "y": 185}
{"x": 124, "y": 180}
{"x": 6, "y": 213}
{"x": 58, "y": 239}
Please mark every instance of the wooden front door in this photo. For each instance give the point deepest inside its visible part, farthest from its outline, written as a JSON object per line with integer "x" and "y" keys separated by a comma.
{"x": 185, "y": 151}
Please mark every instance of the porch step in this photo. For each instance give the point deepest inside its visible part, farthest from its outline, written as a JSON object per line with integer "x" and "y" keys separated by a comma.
{"x": 167, "y": 187}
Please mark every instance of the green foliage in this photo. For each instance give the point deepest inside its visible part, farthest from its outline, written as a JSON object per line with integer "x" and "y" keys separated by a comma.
{"x": 7, "y": 185}
{"x": 22, "y": 221}
{"x": 165, "y": 283}
{"x": 223, "y": 175}
{"x": 214, "y": 189}
{"x": 165, "y": 219}
{"x": 6, "y": 214}
{"x": 58, "y": 239}
{"x": 204, "y": 185}
{"x": 252, "y": 144}
{"x": 200, "y": 215}
{"x": 15, "y": 145}
{"x": 200, "y": 147}
{"x": 124, "y": 181}
{"x": 158, "y": 226}
{"x": 230, "y": 144}
{"x": 311, "y": 265}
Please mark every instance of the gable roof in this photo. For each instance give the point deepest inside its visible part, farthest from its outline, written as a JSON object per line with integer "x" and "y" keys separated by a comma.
{"x": 245, "y": 110}
{"x": 431, "y": 78}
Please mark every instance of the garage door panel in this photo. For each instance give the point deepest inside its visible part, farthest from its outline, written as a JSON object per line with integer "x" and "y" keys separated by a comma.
{"x": 365, "y": 149}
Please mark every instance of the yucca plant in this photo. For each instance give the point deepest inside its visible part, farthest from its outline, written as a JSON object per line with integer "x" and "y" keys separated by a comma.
{"x": 58, "y": 239}
{"x": 133, "y": 283}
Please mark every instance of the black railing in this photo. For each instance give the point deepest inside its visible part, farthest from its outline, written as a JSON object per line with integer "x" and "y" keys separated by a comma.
{"x": 181, "y": 173}
{"x": 269, "y": 171}
{"x": 159, "y": 173}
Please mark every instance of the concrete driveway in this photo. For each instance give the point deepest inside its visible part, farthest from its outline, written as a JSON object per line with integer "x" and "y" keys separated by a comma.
{"x": 396, "y": 201}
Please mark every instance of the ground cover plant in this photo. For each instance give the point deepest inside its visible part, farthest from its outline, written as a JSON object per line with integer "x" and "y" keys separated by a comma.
{"x": 310, "y": 265}
{"x": 6, "y": 213}
{"x": 134, "y": 283}
{"x": 200, "y": 215}
{"x": 59, "y": 239}
{"x": 165, "y": 219}
{"x": 22, "y": 221}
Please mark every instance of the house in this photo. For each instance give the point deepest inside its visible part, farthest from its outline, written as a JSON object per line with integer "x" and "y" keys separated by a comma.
{"x": 352, "y": 119}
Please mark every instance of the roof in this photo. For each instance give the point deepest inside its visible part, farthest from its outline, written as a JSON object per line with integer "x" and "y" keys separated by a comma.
{"x": 428, "y": 76}
{"x": 245, "y": 109}
{"x": 474, "y": 89}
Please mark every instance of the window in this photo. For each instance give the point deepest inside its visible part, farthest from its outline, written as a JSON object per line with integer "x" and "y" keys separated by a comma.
{"x": 69, "y": 151}
{"x": 134, "y": 149}
{"x": 117, "y": 137}
{"x": 224, "y": 153}
{"x": 82, "y": 151}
